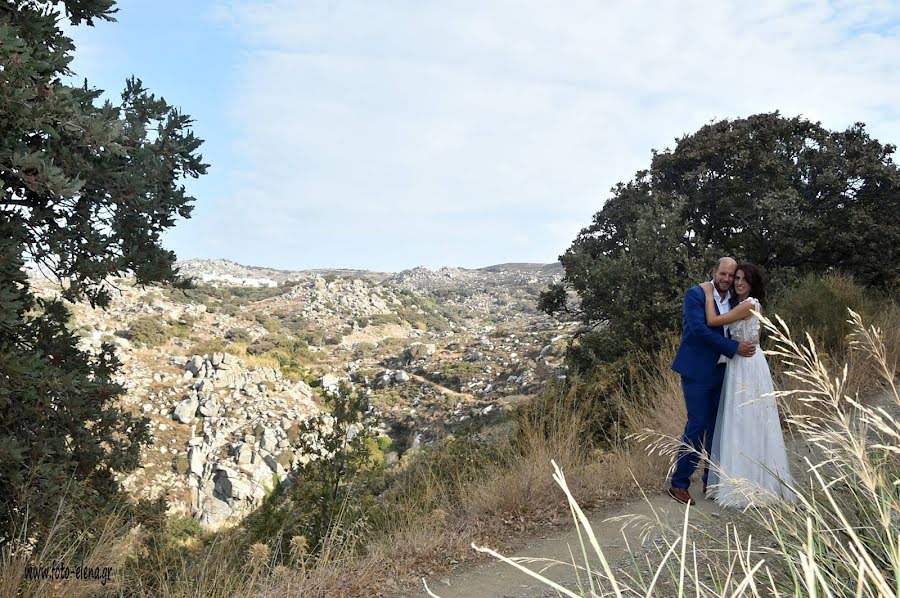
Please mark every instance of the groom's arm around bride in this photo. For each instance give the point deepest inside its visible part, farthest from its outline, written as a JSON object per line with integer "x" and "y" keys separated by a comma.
{"x": 701, "y": 376}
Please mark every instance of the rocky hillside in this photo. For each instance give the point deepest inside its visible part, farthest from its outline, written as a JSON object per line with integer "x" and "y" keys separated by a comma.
{"x": 226, "y": 372}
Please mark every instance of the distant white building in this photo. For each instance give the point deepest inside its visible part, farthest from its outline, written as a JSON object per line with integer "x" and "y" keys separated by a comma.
{"x": 237, "y": 280}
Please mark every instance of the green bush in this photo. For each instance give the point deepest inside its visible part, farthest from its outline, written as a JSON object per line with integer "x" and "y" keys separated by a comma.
{"x": 267, "y": 322}
{"x": 182, "y": 328}
{"x": 460, "y": 371}
{"x": 208, "y": 347}
{"x": 271, "y": 342}
{"x": 150, "y": 331}
{"x": 361, "y": 350}
{"x": 238, "y": 335}
{"x": 329, "y": 491}
{"x": 817, "y": 305}
{"x": 181, "y": 464}
{"x": 382, "y": 319}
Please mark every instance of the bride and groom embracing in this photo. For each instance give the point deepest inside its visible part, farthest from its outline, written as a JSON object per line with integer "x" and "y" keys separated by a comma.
{"x": 731, "y": 413}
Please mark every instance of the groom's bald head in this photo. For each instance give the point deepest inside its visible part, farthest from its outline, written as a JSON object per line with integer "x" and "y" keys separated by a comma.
{"x": 728, "y": 262}
{"x": 723, "y": 274}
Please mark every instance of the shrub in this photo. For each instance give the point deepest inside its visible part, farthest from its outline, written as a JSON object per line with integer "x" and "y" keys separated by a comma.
{"x": 208, "y": 347}
{"x": 817, "y": 305}
{"x": 182, "y": 327}
{"x": 838, "y": 539}
{"x": 150, "y": 331}
{"x": 459, "y": 372}
{"x": 382, "y": 319}
{"x": 267, "y": 322}
{"x": 238, "y": 335}
{"x": 181, "y": 464}
{"x": 331, "y": 489}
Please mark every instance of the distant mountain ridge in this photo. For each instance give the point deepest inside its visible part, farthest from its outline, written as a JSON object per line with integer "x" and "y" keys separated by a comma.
{"x": 228, "y": 271}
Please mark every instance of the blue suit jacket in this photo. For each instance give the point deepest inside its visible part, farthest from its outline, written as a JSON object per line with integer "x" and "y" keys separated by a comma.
{"x": 701, "y": 345}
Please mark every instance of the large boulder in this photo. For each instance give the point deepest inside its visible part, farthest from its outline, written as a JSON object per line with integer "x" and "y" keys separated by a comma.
{"x": 417, "y": 351}
{"x": 186, "y": 409}
{"x": 330, "y": 384}
{"x": 210, "y": 407}
{"x": 196, "y": 460}
{"x": 232, "y": 485}
{"x": 214, "y": 513}
{"x": 195, "y": 365}
{"x": 268, "y": 441}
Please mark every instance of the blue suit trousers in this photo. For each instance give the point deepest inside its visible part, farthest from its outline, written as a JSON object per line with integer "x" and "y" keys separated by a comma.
{"x": 702, "y": 400}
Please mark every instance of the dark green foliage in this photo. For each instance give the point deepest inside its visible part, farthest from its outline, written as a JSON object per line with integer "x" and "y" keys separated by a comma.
{"x": 74, "y": 165}
{"x": 152, "y": 331}
{"x": 86, "y": 192}
{"x": 818, "y": 306}
{"x": 238, "y": 335}
{"x": 342, "y": 438}
{"x": 48, "y": 391}
{"x": 435, "y": 315}
{"x": 273, "y": 342}
{"x": 783, "y": 193}
{"x": 332, "y": 490}
{"x": 458, "y": 373}
{"x": 292, "y": 355}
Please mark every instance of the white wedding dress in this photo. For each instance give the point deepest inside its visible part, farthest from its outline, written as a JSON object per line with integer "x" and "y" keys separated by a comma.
{"x": 749, "y": 460}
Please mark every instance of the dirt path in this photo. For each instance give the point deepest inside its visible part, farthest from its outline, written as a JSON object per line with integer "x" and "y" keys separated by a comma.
{"x": 460, "y": 396}
{"x": 633, "y": 524}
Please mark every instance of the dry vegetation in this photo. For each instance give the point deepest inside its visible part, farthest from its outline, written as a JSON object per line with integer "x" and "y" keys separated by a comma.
{"x": 839, "y": 539}
{"x": 466, "y": 493}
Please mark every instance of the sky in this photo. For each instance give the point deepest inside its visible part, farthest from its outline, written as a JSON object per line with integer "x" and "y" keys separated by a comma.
{"x": 385, "y": 135}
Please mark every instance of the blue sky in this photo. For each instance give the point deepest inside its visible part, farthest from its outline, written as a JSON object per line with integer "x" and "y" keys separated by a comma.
{"x": 391, "y": 134}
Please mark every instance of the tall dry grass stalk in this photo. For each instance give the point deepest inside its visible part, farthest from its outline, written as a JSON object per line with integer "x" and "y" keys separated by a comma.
{"x": 841, "y": 537}
{"x": 57, "y": 568}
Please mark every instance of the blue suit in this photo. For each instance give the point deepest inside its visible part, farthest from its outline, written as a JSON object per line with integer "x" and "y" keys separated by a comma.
{"x": 701, "y": 382}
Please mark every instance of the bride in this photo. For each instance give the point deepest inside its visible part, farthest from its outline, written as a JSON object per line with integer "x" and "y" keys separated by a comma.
{"x": 749, "y": 460}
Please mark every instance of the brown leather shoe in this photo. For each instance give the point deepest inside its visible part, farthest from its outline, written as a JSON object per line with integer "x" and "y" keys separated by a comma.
{"x": 682, "y": 495}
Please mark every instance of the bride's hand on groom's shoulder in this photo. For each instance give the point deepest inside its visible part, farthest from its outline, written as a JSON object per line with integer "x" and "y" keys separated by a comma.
{"x": 707, "y": 286}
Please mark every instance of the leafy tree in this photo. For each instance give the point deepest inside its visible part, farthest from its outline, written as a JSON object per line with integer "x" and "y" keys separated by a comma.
{"x": 784, "y": 193}
{"x": 333, "y": 490}
{"x": 86, "y": 189}
{"x": 340, "y": 439}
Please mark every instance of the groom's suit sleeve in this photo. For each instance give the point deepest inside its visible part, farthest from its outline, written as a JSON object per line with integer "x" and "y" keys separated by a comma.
{"x": 695, "y": 322}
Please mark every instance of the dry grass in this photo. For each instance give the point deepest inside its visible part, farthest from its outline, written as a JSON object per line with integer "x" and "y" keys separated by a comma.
{"x": 102, "y": 549}
{"x": 839, "y": 539}
{"x": 516, "y": 496}
{"x": 816, "y": 309}
{"x": 433, "y": 527}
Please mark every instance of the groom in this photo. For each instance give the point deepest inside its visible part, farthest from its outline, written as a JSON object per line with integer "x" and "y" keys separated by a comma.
{"x": 701, "y": 374}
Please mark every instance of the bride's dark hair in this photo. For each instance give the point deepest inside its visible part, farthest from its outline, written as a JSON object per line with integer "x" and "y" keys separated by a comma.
{"x": 754, "y": 276}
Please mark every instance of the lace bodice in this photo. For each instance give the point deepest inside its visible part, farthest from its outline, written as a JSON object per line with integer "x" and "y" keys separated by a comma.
{"x": 746, "y": 330}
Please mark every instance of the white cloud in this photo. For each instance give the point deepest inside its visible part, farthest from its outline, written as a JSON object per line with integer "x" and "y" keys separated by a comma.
{"x": 383, "y": 121}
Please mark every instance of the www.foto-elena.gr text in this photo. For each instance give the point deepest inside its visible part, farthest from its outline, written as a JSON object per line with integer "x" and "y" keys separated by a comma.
{"x": 56, "y": 570}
